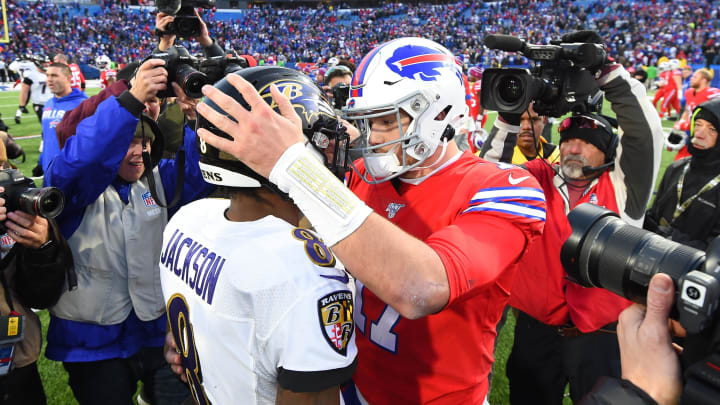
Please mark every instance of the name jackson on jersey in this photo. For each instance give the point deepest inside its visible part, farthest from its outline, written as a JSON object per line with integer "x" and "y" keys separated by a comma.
{"x": 195, "y": 264}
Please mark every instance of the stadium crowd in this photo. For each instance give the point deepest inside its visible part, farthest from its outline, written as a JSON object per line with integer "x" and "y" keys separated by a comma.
{"x": 638, "y": 31}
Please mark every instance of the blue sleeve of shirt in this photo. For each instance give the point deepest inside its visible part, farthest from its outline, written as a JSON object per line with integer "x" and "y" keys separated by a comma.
{"x": 194, "y": 186}
{"x": 90, "y": 160}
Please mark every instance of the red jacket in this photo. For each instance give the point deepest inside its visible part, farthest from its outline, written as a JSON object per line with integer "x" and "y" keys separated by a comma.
{"x": 541, "y": 287}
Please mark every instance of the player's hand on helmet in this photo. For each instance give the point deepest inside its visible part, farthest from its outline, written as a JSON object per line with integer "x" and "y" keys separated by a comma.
{"x": 260, "y": 136}
{"x": 646, "y": 352}
{"x": 148, "y": 81}
{"x": 173, "y": 357}
{"x": 187, "y": 104}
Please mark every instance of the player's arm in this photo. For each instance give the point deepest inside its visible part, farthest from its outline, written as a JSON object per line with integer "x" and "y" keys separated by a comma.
{"x": 401, "y": 270}
{"x": 25, "y": 92}
{"x": 330, "y": 396}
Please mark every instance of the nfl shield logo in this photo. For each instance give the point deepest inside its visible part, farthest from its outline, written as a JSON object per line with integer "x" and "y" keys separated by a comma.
{"x": 336, "y": 319}
{"x": 148, "y": 200}
{"x": 593, "y": 199}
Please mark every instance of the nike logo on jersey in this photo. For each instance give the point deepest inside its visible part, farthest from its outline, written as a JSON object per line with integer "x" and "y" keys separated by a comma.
{"x": 343, "y": 279}
{"x": 515, "y": 181}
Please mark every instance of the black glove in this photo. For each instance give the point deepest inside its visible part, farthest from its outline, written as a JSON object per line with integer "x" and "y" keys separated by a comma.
{"x": 23, "y": 109}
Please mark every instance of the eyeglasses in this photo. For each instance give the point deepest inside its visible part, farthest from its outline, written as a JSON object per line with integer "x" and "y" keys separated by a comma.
{"x": 581, "y": 121}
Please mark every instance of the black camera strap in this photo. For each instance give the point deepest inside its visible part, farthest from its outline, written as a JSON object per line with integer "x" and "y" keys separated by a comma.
{"x": 147, "y": 161}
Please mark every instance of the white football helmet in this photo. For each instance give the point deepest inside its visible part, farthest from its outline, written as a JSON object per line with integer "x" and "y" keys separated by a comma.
{"x": 102, "y": 62}
{"x": 414, "y": 75}
{"x": 674, "y": 64}
{"x": 664, "y": 66}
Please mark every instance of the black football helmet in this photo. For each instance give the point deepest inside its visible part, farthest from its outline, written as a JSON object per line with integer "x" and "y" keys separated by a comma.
{"x": 324, "y": 132}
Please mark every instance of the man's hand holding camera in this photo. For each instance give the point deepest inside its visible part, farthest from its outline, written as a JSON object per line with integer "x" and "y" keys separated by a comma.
{"x": 148, "y": 81}
{"x": 646, "y": 353}
{"x": 29, "y": 230}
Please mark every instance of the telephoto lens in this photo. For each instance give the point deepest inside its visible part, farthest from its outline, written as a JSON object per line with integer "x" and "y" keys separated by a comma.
{"x": 604, "y": 251}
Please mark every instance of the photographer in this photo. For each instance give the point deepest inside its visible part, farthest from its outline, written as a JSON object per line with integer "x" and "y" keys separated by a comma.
{"x": 650, "y": 366}
{"x": 109, "y": 332}
{"x": 32, "y": 275}
{"x": 685, "y": 209}
{"x": 564, "y": 332}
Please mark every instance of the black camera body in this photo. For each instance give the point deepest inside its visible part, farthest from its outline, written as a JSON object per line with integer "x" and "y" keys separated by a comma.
{"x": 560, "y": 82}
{"x": 193, "y": 73}
{"x": 340, "y": 95}
{"x": 186, "y": 24}
{"x": 604, "y": 251}
{"x": 21, "y": 195}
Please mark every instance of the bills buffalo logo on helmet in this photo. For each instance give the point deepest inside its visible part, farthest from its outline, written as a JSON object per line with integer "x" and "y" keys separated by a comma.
{"x": 423, "y": 63}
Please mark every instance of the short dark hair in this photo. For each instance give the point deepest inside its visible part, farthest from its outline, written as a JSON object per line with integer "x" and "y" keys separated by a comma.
{"x": 336, "y": 71}
{"x": 65, "y": 68}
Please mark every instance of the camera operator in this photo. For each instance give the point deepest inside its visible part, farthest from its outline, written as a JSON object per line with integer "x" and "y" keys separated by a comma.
{"x": 530, "y": 141}
{"x": 32, "y": 275}
{"x": 109, "y": 332}
{"x": 564, "y": 332}
{"x": 685, "y": 209}
{"x": 167, "y": 39}
{"x": 650, "y": 366}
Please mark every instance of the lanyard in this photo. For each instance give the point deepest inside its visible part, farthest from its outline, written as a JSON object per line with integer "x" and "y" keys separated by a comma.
{"x": 680, "y": 208}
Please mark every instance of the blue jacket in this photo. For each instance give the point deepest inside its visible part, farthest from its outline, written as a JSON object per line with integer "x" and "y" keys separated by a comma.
{"x": 52, "y": 114}
{"x": 83, "y": 169}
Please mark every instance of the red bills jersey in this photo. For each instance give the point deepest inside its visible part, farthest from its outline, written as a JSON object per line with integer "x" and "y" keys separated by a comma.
{"x": 471, "y": 99}
{"x": 105, "y": 75}
{"x": 541, "y": 287}
{"x": 478, "y": 217}
{"x": 77, "y": 79}
{"x": 667, "y": 77}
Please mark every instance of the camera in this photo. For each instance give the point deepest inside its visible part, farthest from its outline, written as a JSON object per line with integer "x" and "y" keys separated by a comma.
{"x": 560, "y": 82}
{"x": 21, "y": 195}
{"x": 186, "y": 24}
{"x": 604, "y": 251}
{"x": 340, "y": 95}
{"x": 193, "y": 73}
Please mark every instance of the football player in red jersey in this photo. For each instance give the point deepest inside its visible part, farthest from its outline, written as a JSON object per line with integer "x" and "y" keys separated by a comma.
{"x": 433, "y": 238}
{"x": 108, "y": 76}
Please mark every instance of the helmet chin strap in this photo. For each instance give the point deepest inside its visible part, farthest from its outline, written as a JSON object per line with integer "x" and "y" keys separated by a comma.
{"x": 438, "y": 160}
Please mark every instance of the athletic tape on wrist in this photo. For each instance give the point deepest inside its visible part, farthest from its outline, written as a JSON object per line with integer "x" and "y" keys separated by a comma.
{"x": 332, "y": 208}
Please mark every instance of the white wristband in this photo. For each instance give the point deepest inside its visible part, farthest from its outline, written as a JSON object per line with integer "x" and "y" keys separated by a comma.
{"x": 332, "y": 208}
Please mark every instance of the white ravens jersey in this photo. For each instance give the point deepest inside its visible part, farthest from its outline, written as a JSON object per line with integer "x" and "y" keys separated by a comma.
{"x": 39, "y": 92}
{"x": 21, "y": 67}
{"x": 253, "y": 305}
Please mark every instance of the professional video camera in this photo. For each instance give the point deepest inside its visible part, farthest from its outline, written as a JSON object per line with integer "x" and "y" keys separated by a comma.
{"x": 186, "y": 24}
{"x": 21, "y": 195}
{"x": 603, "y": 251}
{"x": 560, "y": 82}
{"x": 192, "y": 73}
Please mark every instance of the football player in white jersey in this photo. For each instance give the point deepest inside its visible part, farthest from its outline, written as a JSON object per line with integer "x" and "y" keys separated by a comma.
{"x": 34, "y": 88}
{"x": 260, "y": 309}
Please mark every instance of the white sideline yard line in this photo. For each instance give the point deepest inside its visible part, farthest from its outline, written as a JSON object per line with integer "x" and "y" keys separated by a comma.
{"x": 20, "y": 138}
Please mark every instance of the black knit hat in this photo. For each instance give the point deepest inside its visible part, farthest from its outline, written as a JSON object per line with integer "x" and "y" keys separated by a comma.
{"x": 591, "y": 128}
{"x": 707, "y": 115}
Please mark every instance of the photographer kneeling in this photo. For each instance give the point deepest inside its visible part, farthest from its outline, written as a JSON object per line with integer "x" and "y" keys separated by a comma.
{"x": 32, "y": 275}
{"x": 109, "y": 332}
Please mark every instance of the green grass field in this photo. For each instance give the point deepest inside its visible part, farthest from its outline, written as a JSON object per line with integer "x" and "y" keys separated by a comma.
{"x": 54, "y": 376}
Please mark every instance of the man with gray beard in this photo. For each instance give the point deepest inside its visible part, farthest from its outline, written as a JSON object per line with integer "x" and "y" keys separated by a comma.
{"x": 565, "y": 333}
